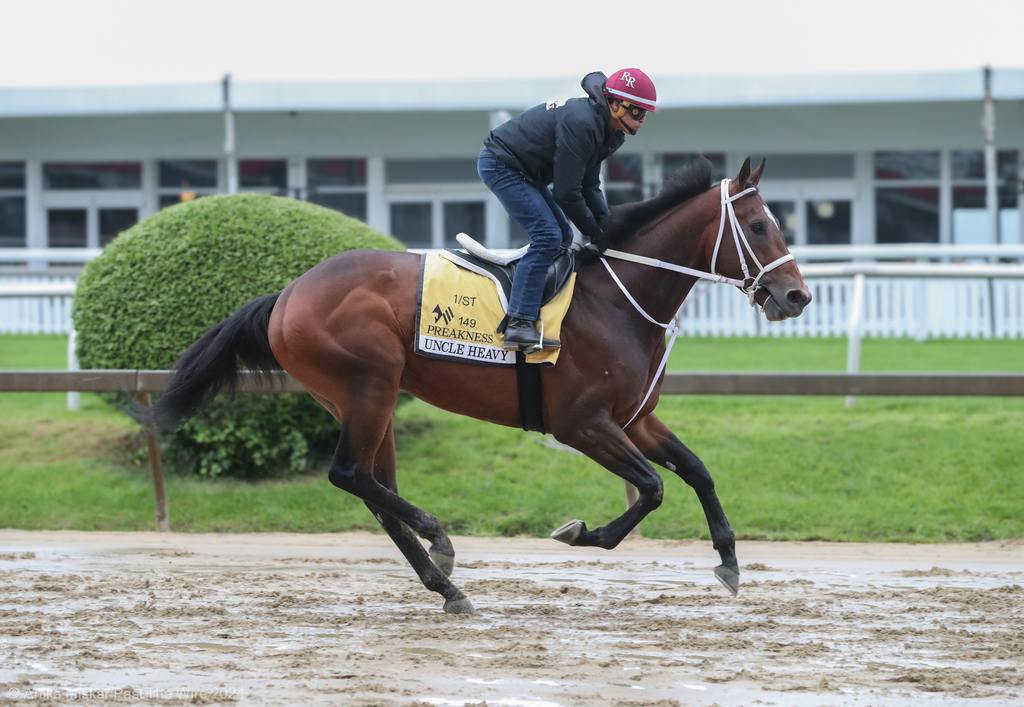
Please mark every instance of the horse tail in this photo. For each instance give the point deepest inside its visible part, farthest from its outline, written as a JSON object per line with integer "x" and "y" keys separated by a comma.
{"x": 211, "y": 363}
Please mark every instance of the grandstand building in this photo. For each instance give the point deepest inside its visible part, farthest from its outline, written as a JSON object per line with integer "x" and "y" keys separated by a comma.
{"x": 851, "y": 159}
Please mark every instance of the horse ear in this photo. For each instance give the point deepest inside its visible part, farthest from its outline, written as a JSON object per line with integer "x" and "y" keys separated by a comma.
{"x": 755, "y": 176}
{"x": 744, "y": 174}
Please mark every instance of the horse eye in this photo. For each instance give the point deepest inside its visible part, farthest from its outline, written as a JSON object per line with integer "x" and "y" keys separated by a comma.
{"x": 757, "y": 227}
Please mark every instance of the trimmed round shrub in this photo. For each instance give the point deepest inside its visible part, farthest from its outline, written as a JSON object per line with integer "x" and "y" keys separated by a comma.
{"x": 159, "y": 285}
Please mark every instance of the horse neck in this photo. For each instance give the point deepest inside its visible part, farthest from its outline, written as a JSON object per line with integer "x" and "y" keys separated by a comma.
{"x": 678, "y": 238}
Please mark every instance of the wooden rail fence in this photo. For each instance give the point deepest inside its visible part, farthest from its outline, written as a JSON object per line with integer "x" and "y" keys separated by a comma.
{"x": 142, "y": 384}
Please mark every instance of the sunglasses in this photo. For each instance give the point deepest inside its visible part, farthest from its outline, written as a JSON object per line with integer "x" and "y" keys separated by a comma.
{"x": 637, "y": 112}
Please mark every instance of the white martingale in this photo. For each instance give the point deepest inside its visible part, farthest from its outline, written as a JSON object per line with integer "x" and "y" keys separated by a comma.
{"x": 739, "y": 239}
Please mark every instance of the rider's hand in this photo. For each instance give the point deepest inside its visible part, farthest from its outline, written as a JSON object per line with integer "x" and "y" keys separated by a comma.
{"x": 600, "y": 241}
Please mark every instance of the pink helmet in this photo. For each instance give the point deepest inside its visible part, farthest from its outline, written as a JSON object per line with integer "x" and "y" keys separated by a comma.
{"x": 634, "y": 86}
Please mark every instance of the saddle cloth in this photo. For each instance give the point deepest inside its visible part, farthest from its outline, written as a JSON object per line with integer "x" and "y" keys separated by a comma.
{"x": 460, "y": 307}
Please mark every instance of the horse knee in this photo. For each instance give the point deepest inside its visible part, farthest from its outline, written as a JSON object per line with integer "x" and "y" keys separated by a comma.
{"x": 695, "y": 474}
{"x": 701, "y": 480}
{"x": 651, "y": 489}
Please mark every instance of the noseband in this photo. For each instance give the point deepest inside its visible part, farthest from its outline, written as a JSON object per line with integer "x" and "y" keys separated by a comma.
{"x": 750, "y": 290}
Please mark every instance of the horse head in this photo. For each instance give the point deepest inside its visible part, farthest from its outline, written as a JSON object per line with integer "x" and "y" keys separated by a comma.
{"x": 750, "y": 247}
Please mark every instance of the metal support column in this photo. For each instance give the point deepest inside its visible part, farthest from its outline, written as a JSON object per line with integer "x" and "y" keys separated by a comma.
{"x": 230, "y": 156}
{"x": 991, "y": 192}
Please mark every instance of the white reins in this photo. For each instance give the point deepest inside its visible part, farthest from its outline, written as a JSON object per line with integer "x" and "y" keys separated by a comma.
{"x": 728, "y": 211}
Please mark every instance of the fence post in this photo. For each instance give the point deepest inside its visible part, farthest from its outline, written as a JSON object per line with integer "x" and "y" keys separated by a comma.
{"x": 160, "y": 498}
{"x": 74, "y": 399}
{"x": 854, "y": 331}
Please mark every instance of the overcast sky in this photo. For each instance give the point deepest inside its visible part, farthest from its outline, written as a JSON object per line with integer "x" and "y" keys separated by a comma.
{"x": 76, "y": 42}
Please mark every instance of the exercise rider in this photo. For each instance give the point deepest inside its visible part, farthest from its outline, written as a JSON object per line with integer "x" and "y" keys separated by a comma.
{"x": 561, "y": 143}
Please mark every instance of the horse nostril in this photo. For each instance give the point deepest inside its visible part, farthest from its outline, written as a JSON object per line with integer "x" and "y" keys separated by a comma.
{"x": 800, "y": 296}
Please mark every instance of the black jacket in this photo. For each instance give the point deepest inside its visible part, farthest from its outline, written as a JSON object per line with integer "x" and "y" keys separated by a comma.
{"x": 564, "y": 143}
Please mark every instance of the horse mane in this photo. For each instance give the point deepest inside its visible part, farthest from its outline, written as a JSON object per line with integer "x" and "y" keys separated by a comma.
{"x": 688, "y": 181}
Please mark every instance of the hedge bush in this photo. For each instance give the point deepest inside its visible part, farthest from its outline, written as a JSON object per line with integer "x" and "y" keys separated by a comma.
{"x": 159, "y": 285}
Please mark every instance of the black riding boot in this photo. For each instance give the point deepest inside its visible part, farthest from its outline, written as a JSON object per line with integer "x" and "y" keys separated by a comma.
{"x": 521, "y": 333}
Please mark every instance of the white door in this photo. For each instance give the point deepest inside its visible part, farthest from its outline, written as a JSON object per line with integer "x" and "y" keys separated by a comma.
{"x": 432, "y": 220}
{"x": 88, "y": 220}
{"x": 813, "y": 213}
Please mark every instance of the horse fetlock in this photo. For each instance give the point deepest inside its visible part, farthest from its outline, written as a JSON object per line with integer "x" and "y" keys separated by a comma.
{"x": 445, "y": 561}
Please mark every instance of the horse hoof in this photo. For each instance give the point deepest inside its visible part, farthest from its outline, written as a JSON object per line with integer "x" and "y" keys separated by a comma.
{"x": 445, "y": 563}
{"x": 458, "y": 606}
{"x": 729, "y": 578}
{"x": 570, "y": 532}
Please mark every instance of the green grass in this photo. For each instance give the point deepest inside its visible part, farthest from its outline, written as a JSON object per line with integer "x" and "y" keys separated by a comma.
{"x": 904, "y": 469}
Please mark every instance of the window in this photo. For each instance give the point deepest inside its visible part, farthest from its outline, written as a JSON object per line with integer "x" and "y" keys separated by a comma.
{"x": 624, "y": 179}
{"x": 270, "y": 176}
{"x": 907, "y": 165}
{"x": 431, "y": 171}
{"x": 970, "y": 223}
{"x": 339, "y": 184}
{"x": 113, "y": 221}
{"x": 185, "y": 180}
{"x": 907, "y": 214}
{"x": 411, "y": 223}
{"x": 12, "y": 205}
{"x": 814, "y": 166}
{"x": 463, "y": 217}
{"x": 12, "y": 176}
{"x": 829, "y": 222}
{"x": 92, "y": 175}
{"x": 907, "y": 197}
{"x": 67, "y": 228}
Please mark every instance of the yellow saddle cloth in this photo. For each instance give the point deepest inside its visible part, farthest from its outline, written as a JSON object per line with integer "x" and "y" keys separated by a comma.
{"x": 459, "y": 312}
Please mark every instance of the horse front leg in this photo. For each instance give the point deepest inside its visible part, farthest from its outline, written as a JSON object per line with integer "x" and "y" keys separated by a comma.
{"x": 658, "y": 444}
{"x": 606, "y": 443}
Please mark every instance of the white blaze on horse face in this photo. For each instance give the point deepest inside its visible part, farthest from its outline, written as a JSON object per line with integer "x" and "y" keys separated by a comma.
{"x": 772, "y": 216}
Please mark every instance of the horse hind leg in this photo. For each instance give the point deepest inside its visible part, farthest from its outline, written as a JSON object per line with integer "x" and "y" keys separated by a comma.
{"x": 441, "y": 552}
{"x": 370, "y": 479}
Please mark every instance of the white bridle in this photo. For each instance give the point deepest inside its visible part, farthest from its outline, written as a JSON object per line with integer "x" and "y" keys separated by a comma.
{"x": 738, "y": 237}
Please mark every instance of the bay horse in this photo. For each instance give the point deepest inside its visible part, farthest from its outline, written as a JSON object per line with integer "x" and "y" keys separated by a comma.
{"x": 345, "y": 330}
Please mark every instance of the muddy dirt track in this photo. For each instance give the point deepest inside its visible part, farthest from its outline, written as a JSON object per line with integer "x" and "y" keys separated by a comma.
{"x": 140, "y": 617}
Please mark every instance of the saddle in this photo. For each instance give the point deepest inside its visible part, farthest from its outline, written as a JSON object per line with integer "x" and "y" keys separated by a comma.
{"x": 463, "y": 306}
{"x": 500, "y": 268}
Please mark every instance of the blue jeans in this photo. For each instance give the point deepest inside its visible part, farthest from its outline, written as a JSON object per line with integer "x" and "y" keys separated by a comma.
{"x": 534, "y": 209}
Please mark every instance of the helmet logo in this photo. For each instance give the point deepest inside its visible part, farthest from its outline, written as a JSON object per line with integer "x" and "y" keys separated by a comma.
{"x": 630, "y": 80}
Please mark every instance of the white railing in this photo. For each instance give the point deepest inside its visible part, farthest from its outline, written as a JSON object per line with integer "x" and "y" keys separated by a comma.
{"x": 920, "y": 301}
{"x": 907, "y": 251}
{"x": 36, "y": 305}
{"x": 970, "y": 301}
{"x": 48, "y": 255}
